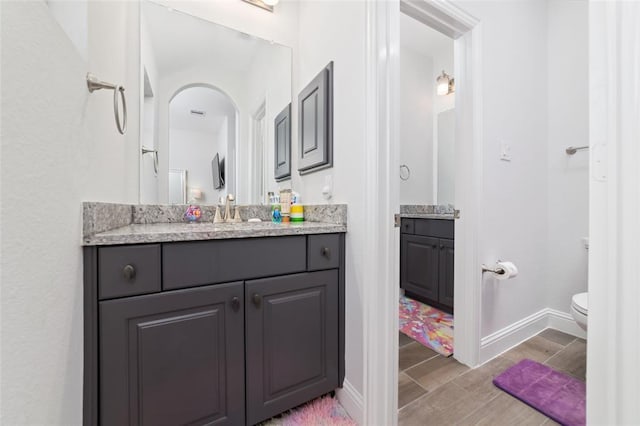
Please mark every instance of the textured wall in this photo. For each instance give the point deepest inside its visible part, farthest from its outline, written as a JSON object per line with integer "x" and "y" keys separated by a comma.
{"x": 50, "y": 163}
{"x": 43, "y": 157}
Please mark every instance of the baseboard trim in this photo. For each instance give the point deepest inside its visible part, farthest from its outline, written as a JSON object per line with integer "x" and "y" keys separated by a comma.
{"x": 512, "y": 335}
{"x": 502, "y": 340}
{"x": 352, "y": 401}
{"x": 563, "y": 321}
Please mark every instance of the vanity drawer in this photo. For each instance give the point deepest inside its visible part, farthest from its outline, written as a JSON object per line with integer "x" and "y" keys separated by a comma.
{"x": 196, "y": 263}
{"x": 440, "y": 228}
{"x": 407, "y": 226}
{"x": 128, "y": 270}
{"x": 323, "y": 251}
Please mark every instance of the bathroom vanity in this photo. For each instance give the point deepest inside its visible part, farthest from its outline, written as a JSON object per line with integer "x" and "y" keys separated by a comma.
{"x": 426, "y": 259}
{"x": 194, "y": 326}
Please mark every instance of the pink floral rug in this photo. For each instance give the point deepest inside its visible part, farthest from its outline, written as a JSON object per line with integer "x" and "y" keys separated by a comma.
{"x": 325, "y": 411}
{"x": 429, "y": 326}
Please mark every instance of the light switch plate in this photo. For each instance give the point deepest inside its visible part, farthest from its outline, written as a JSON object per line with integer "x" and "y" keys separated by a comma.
{"x": 505, "y": 151}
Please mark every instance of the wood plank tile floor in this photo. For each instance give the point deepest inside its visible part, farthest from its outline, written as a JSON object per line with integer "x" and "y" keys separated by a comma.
{"x": 434, "y": 390}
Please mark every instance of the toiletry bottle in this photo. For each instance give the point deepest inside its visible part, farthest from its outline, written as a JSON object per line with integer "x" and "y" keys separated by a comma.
{"x": 276, "y": 215}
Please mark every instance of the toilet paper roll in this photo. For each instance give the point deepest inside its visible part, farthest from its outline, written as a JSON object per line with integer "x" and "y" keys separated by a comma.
{"x": 510, "y": 270}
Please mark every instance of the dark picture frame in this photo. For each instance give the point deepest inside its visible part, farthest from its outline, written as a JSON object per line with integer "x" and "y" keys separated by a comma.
{"x": 315, "y": 123}
{"x": 282, "y": 145}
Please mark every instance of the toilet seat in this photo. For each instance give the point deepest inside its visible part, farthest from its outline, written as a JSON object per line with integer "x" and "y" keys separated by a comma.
{"x": 580, "y": 302}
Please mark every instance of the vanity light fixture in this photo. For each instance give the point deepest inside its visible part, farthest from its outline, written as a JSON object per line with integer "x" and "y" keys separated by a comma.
{"x": 263, "y": 4}
{"x": 444, "y": 84}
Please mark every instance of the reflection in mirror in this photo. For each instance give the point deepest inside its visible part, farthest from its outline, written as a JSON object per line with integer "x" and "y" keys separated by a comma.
{"x": 427, "y": 118}
{"x": 445, "y": 142}
{"x": 177, "y": 186}
{"x": 208, "y": 91}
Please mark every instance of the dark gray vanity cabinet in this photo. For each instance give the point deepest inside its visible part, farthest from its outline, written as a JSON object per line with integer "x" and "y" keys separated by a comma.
{"x": 173, "y": 358}
{"x": 291, "y": 344}
{"x": 212, "y": 332}
{"x": 426, "y": 261}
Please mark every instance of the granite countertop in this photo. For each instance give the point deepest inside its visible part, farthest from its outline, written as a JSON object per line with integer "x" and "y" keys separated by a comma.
{"x": 427, "y": 211}
{"x": 112, "y": 224}
{"x": 447, "y": 216}
{"x": 169, "y": 232}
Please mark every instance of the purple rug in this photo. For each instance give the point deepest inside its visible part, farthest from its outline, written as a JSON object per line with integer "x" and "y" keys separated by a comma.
{"x": 554, "y": 394}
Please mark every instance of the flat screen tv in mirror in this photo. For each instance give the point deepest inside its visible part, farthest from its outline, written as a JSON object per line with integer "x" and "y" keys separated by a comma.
{"x": 209, "y": 90}
{"x": 217, "y": 170}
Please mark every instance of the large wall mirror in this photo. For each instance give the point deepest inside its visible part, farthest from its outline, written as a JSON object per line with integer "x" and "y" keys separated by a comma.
{"x": 210, "y": 96}
{"x": 427, "y": 116}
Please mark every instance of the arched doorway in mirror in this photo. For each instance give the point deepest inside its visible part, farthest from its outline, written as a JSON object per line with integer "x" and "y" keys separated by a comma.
{"x": 202, "y": 145}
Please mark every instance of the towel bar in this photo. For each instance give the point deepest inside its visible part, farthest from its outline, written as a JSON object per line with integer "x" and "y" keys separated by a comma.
{"x": 94, "y": 84}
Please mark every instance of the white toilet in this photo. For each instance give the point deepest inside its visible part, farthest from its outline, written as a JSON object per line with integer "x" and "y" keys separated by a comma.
{"x": 580, "y": 301}
{"x": 580, "y": 309}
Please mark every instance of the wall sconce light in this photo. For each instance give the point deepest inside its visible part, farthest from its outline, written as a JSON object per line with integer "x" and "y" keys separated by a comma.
{"x": 444, "y": 84}
{"x": 263, "y": 4}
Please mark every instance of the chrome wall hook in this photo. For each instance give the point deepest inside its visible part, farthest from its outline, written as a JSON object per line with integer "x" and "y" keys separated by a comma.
{"x": 94, "y": 84}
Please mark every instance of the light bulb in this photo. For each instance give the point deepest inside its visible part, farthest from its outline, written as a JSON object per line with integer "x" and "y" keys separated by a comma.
{"x": 270, "y": 2}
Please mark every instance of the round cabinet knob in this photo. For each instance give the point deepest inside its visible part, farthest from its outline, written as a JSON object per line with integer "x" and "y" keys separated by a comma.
{"x": 235, "y": 304}
{"x": 441, "y": 246}
{"x": 129, "y": 272}
{"x": 326, "y": 252}
{"x": 257, "y": 299}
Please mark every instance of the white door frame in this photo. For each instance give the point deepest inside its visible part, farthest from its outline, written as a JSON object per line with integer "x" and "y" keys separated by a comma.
{"x": 257, "y": 151}
{"x": 382, "y": 192}
{"x": 613, "y": 370}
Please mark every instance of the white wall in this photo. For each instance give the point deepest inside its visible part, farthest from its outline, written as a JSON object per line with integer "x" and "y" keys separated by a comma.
{"x": 416, "y": 126}
{"x": 193, "y": 151}
{"x": 444, "y": 160}
{"x": 59, "y": 147}
{"x": 445, "y": 123}
{"x": 280, "y": 26}
{"x": 267, "y": 80}
{"x": 568, "y": 125}
{"x": 514, "y": 222}
{"x": 344, "y": 44}
{"x": 149, "y": 118}
{"x": 72, "y": 17}
{"x": 113, "y": 158}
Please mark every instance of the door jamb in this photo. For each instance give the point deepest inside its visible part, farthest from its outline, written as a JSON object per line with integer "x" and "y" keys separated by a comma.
{"x": 382, "y": 191}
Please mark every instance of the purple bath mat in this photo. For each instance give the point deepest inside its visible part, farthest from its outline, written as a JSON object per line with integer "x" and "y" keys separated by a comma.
{"x": 554, "y": 394}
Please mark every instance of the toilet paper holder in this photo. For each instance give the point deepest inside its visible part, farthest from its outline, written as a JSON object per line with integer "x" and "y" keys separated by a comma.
{"x": 496, "y": 270}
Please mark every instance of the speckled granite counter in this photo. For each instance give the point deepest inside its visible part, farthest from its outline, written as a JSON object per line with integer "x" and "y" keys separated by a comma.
{"x": 426, "y": 211}
{"x": 427, "y": 216}
{"x": 169, "y": 232}
{"x": 113, "y": 224}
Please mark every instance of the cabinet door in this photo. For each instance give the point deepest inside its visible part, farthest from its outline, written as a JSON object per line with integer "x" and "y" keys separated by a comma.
{"x": 173, "y": 358}
{"x": 445, "y": 293}
{"x": 282, "y": 143}
{"x": 292, "y": 341}
{"x": 419, "y": 265}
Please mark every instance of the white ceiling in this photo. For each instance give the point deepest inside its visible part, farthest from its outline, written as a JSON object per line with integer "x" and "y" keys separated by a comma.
{"x": 180, "y": 41}
{"x": 422, "y": 39}
{"x": 216, "y": 106}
